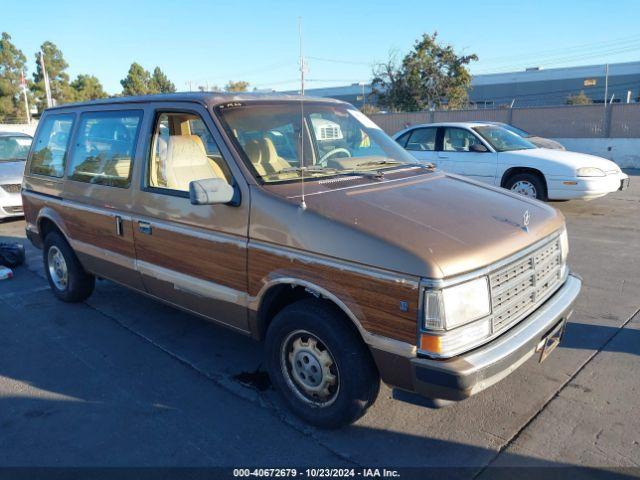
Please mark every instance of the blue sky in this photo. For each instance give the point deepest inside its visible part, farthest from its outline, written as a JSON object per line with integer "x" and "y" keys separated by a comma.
{"x": 216, "y": 41}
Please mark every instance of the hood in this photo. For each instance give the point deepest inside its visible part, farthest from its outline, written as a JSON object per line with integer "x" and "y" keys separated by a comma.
{"x": 565, "y": 158}
{"x": 433, "y": 225}
{"x": 11, "y": 172}
{"x": 546, "y": 143}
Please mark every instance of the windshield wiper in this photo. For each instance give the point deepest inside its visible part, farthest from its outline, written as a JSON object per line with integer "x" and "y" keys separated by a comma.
{"x": 312, "y": 169}
{"x": 378, "y": 162}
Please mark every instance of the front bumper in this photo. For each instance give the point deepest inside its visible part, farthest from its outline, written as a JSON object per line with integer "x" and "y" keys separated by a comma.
{"x": 586, "y": 187}
{"x": 10, "y": 205}
{"x": 465, "y": 375}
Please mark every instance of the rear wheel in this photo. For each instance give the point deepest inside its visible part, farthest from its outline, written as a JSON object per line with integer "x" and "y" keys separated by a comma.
{"x": 527, "y": 184}
{"x": 320, "y": 364}
{"x": 68, "y": 280}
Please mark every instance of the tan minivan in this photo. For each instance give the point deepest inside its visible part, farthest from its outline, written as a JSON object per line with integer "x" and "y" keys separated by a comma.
{"x": 299, "y": 222}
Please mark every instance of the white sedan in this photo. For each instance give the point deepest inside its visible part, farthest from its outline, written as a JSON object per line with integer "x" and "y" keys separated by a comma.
{"x": 492, "y": 154}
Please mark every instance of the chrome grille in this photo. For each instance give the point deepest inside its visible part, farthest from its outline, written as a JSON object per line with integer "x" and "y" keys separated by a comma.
{"x": 11, "y": 187}
{"x": 521, "y": 286}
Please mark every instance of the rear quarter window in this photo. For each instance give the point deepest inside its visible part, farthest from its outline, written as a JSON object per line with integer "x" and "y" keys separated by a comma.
{"x": 104, "y": 147}
{"x": 50, "y": 146}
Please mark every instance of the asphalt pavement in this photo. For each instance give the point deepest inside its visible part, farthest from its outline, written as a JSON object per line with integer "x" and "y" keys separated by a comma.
{"x": 122, "y": 380}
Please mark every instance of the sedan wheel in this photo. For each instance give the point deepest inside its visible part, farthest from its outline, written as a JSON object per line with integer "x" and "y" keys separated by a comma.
{"x": 526, "y": 188}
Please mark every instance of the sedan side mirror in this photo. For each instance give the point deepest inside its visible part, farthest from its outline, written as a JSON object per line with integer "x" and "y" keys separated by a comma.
{"x": 478, "y": 148}
{"x": 210, "y": 191}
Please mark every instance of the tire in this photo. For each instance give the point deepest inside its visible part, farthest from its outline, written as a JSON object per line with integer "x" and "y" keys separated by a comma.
{"x": 521, "y": 181}
{"x": 303, "y": 335}
{"x": 59, "y": 259}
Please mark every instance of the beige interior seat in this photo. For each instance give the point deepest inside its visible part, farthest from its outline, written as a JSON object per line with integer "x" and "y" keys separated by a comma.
{"x": 214, "y": 165}
{"x": 264, "y": 156}
{"x": 187, "y": 161}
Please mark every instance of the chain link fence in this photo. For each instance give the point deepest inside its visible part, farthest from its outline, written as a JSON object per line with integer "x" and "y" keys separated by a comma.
{"x": 569, "y": 121}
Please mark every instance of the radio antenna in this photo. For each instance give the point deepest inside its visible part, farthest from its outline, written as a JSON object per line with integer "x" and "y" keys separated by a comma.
{"x": 303, "y": 204}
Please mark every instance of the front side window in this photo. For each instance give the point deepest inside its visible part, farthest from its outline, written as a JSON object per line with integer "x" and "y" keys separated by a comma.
{"x": 458, "y": 140}
{"x": 503, "y": 140}
{"x": 50, "y": 149}
{"x": 280, "y": 138}
{"x": 105, "y": 146}
{"x": 14, "y": 148}
{"x": 422, "y": 140}
{"x": 183, "y": 150}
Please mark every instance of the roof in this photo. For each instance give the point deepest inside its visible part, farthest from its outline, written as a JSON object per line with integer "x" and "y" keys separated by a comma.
{"x": 542, "y": 74}
{"x": 206, "y": 98}
{"x": 14, "y": 134}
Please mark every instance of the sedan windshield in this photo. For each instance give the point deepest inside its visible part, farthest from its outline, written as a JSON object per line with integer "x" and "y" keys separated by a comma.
{"x": 502, "y": 140}
{"x": 14, "y": 149}
{"x": 337, "y": 139}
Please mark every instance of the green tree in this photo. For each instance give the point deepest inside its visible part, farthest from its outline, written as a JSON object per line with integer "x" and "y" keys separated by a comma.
{"x": 430, "y": 76}
{"x": 159, "y": 82}
{"x": 56, "y": 67}
{"x": 239, "y": 86}
{"x": 137, "y": 81}
{"x": 579, "y": 99}
{"x": 87, "y": 87}
{"x": 12, "y": 63}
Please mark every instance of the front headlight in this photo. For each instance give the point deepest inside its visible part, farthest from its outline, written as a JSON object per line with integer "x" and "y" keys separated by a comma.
{"x": 564, "y": 245}
{"x": 456, "y": 317}
{"x": 589, "y": 172}
{"x": 458, "y": 305}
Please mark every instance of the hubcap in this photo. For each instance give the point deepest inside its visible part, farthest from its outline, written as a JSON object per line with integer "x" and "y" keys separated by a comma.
{"x": 309, "y": 368}
{"x": 57, "y": 268}
{"x": 525, "y": 188}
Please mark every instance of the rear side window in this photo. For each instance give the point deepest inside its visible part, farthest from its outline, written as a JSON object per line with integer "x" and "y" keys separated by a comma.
{"x": 422, "y": 139}
{"x": 402, "y": 139}
{"x": 50, "y": 147}
{"x": 104, "y": 147}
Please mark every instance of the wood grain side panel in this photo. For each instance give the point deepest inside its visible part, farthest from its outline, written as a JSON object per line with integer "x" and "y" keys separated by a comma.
{"x": 31, "y": 205}
{"x": 97, "y": 229}
{"x": 224, "y": 263}
{"x": 375, "y": 302}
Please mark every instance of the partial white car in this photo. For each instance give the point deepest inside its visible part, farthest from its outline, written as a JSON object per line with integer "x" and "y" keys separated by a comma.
{"x": 489, "y": 153}
{"x": 14, "y": 148}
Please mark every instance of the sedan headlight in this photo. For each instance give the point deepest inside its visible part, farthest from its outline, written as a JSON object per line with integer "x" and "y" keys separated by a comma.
{"x": 589, "y": 172}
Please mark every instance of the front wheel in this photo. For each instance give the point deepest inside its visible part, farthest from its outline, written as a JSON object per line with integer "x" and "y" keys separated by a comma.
{"x": 527, "y": 184}
{"x": 320, "y": 364}
{"x": 68, "y": 280}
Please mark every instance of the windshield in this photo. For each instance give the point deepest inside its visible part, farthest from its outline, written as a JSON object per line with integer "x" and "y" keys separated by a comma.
{"x": 516, "y": 130}
{"x": 14, "y": 148}
{"x": 502, "y": 140}
{"x": 337, "y": 139}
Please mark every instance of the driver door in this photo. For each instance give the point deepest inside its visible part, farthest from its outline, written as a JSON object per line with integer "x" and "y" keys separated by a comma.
{"x": 193, "y": 256}
{"x": 457, "y": 154}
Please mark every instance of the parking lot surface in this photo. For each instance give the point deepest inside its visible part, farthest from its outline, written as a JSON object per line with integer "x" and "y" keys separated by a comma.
{"x": 122, "y": 380}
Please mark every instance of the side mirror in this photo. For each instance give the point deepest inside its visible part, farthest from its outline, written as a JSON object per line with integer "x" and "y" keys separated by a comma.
{"x": 210, "y": 191}
{"x": 478, "y": 148}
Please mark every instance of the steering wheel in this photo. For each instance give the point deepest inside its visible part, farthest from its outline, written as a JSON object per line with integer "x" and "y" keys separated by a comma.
{"x": 323, "y": 160}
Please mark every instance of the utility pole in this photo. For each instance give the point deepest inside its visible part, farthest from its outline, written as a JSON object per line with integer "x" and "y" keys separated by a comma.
{"x": 23, "y": 84}
{"x": 47, "y": 85}
{"x": 606, "y": 83}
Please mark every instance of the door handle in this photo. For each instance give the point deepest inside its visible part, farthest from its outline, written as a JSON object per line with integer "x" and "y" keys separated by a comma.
{"x": 145, "y": 227}
{"x": 119, "y": 230}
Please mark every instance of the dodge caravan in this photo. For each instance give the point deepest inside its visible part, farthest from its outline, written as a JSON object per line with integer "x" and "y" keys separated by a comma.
{"x": 298, "y": 222}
